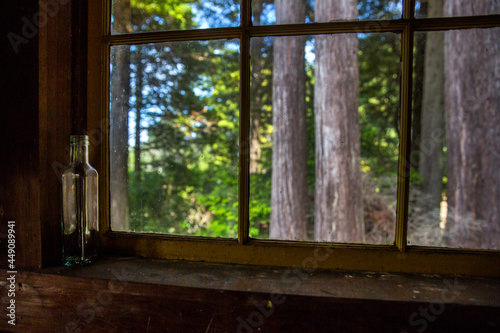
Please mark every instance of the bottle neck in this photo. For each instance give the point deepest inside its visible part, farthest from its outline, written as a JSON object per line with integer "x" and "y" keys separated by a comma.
{"x": 79, "y": 152}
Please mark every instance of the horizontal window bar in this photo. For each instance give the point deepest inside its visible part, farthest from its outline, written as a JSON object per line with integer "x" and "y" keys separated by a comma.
{"x": 329, "y": 28}
{"x": 259, "y": 31}
{"x": 428, "y": 24}
{"x": 380, "y": 258}
{"x": 181, "y": 35}
{"x": 447, "y": 23}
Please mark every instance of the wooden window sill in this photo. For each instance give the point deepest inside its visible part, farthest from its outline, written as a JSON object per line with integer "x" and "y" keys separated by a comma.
{"x": 289, "y": 281}
{"x": 137, "y": 294}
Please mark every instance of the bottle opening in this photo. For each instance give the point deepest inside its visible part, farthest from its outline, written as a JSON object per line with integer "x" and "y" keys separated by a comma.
{"x": 82, "y": 139}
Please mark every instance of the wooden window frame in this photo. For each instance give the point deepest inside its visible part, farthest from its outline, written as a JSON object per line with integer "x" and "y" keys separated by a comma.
{"x": 398, "y": 257}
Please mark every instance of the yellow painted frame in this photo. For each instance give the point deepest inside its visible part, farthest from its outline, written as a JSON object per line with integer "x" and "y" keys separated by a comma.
{"x": 389, "y": 258}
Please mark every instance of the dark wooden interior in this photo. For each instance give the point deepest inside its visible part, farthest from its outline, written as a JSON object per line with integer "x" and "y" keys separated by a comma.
{"x": 145, "y": 295}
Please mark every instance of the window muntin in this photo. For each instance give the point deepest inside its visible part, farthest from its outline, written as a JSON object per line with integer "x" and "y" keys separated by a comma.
{"x": 410, "y": 259}
{"x": 187, "y": 136}
{"x": 455, "y": 8}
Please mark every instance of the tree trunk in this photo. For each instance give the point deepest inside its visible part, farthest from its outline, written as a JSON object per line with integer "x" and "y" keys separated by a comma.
{"x": 432, "y": 139}
{"x": 473, "y": 129}
{"x": 338, "y": 197}
{"x": 118, "y": 141}
{"x": 256, "y": 91}
{"x": 289, "y": 177}
{"x": 419, "y": 57}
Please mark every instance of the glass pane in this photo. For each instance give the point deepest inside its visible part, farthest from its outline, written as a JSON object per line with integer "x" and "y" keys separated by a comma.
{"x": 324, "y": 137}
{"x": 128, "y": 16}
{"x": 448, "y": 8}
{"x": 174, "y": 138}
{"x": 455, "y": 192}
{"x": 267, "y": 12}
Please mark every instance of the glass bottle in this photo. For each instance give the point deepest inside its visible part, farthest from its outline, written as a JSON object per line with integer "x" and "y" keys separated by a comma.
{"x": 80, "y": 206}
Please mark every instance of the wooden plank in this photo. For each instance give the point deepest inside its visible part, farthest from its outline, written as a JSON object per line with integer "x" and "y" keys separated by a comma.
{"x": 308, "y": 281}
{"x": 19, "y": 148}
{"x": 35, "y": 128}
{"x": 378, "y": 258}
{"x": 48, "y": 302}
{"x": 79, "y": 33}
{"x": 55, "y": 122}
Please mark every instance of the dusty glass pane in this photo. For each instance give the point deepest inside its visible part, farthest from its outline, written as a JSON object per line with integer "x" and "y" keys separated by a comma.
{"x": 455, "y": 192}
{"x": 324, "y": 137}
{"x": 130, "y": 16}
{"x": 449, "y": 8}
{"x": 267, "y": 12}
{"x": 174, "y": 138}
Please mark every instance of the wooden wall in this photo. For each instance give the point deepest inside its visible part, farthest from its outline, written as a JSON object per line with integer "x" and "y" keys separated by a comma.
{"x": 55, "y": 303}
{"x": 19, "y": 130}
{"x": 35, "y": 123}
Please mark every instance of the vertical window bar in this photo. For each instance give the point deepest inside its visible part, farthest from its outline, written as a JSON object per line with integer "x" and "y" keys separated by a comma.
{"x": 104, "y": 214}
{"x": 405, "y": 132}
{"x": 244, "y": 167}
{"x": 106, "y": 12}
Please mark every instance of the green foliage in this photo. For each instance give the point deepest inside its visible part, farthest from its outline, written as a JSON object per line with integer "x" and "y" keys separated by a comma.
{"x": 153, "y": 15}
{"x": 379, "y": 104}
{"x": 188, "y": 177}
{"x": 189, "y": 115}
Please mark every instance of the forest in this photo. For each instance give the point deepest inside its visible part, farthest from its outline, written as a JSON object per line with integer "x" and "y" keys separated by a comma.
{"x": 324, "y": 125}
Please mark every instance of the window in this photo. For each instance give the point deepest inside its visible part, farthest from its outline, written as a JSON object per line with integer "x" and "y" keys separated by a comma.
{"x": 265, "y": 132}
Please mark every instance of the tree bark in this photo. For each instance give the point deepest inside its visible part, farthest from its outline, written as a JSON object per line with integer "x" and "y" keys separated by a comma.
{"x": 419, "y": 57}
{"x": 338, "y": 196}
{"x": 432, "y": 139}
{"x": 118, "y": 141}
{"x": 473, "y": 129}
{"x": 289, "y": 177}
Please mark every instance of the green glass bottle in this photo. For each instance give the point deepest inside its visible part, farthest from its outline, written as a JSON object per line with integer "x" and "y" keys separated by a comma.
{"x": 80, "y": 221}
